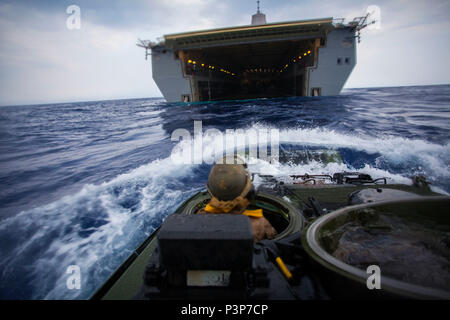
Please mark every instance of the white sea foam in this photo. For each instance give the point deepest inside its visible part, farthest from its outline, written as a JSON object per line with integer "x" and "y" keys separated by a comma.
{"x": 58, "y": 228}
{"x": 127, "y": 205}
{"x": 432, "y": 158}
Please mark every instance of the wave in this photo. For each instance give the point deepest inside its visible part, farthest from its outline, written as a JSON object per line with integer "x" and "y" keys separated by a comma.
{"x": 393, "y": 154}
{"x": 388, "y": 156}
{"x": 98, "y": 227}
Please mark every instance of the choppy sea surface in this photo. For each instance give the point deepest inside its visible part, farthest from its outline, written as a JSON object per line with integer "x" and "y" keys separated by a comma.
{"x": 85, "y": 183}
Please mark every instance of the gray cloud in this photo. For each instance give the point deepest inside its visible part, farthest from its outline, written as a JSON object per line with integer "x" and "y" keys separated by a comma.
{"x": 41, "y": 61}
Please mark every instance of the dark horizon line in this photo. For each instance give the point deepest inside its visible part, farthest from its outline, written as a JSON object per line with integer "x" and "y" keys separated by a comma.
{"x": 161, "y": 97}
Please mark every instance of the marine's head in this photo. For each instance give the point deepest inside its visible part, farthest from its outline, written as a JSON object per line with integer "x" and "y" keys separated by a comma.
{"x": 229, "y": 184}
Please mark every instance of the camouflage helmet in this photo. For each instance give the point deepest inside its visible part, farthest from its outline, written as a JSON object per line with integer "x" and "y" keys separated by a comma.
{"x": 227, "y": 182}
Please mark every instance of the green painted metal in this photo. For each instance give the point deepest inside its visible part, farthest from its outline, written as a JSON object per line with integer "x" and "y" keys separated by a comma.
{"x": 127, "y": 279}
{"x": 316, "y": 242}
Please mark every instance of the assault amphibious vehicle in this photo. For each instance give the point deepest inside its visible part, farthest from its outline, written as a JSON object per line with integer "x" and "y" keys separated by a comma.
{"x": 336, "y": 235}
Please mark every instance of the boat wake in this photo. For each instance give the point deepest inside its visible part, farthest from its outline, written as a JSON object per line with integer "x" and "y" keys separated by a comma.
{"x": 98, "y": 227}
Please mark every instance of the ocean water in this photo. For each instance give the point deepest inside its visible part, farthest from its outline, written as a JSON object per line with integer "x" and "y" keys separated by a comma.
{"x": 84, "y": 183}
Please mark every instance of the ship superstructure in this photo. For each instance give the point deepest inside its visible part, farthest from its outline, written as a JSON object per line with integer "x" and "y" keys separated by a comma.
{"x": 262, "y": 60}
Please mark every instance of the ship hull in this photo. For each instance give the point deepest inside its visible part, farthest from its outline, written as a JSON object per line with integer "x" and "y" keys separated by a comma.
{"x": 304, "y": 58}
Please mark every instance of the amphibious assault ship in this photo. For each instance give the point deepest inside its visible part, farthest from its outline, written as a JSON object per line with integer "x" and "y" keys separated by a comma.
{"x": 261, "y": 60}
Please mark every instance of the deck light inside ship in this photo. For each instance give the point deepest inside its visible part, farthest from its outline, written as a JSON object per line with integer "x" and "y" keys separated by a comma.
{"x": 210, "y": 67}
{"x": 246, "y": 74}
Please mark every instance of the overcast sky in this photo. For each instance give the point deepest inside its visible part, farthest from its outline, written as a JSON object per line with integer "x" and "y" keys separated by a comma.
{"x": 42, "y": 61}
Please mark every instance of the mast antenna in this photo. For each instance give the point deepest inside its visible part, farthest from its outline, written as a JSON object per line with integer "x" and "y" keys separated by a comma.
{"x": 258, "y": 18}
